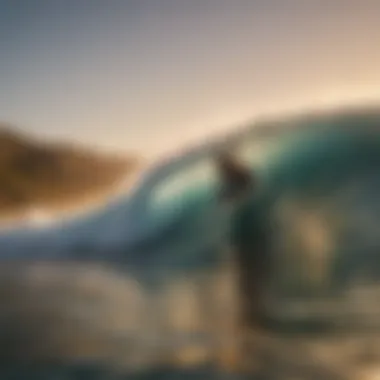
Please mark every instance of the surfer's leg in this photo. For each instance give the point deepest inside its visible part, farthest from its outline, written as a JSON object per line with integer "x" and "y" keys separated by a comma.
{"x": 250, "y": 278}
{"x": 230, "y": 348}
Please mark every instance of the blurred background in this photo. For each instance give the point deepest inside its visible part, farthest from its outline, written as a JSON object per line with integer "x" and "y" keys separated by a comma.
{"x": 144, "y": 78}
{"x": 150, "y": 75}
{"x": 94, "y": 94}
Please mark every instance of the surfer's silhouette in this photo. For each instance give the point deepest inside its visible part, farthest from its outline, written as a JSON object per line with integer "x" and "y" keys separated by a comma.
{"x": 238, "y": 186}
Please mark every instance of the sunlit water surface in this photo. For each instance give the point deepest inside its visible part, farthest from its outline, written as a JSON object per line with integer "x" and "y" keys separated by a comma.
{"x": 91, "y": 319}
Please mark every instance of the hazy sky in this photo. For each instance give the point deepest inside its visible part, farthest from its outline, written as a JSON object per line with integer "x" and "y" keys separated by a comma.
{"x": 149, "y": 74}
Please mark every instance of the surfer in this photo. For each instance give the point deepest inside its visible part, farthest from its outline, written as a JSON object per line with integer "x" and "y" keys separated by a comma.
{"x": 238, "y": 185}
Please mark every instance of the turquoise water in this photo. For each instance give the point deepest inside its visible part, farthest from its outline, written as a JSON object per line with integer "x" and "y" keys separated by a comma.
{"x": 316, "y": 213}
{"x": 326, "y": 172}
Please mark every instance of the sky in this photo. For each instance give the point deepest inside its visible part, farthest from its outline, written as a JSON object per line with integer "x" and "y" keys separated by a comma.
{"x": 152, "y": 75}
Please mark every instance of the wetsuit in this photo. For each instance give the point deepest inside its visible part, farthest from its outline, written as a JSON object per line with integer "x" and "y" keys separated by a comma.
{"x": 248, "y": 240}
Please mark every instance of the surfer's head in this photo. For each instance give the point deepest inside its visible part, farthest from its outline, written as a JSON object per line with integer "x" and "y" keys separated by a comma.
{"x": 234, "y": 175}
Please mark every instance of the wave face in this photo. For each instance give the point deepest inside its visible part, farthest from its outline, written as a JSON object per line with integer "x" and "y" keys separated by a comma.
{"x": 143, "y": 281}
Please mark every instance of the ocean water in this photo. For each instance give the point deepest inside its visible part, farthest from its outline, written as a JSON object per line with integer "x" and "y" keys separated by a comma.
{"x": 167, "y": 307}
